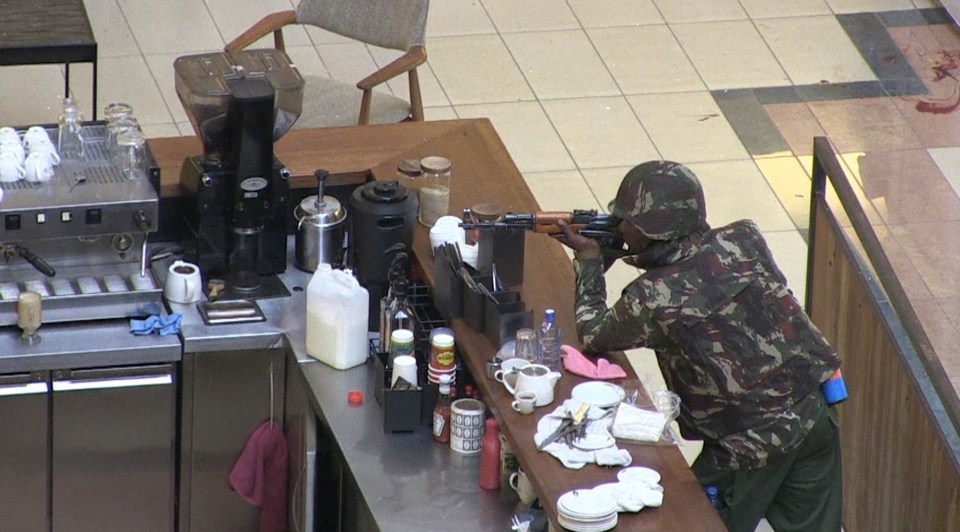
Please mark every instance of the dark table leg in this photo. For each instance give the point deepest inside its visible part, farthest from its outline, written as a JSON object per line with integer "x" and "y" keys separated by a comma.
{"x": 94, "y": 89}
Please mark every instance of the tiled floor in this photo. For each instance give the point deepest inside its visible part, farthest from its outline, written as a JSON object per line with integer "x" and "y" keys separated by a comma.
{"x": 582, "y": 90}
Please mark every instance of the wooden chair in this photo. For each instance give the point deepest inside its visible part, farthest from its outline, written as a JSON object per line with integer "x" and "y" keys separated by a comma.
{"x": 394, "y": 24}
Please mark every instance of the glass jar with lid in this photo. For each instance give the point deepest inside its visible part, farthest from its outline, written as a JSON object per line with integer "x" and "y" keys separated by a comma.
{"x": 435, "y": 189}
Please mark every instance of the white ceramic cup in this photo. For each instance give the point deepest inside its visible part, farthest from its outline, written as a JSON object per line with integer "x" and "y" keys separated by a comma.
{"x": 521, "y": 484}
{"x": 525, "y": 402}
{"x": 47, "y": 150}
{"x": 8, "y": 133}
{"x": 37, "y": 168}
{"x": 10, "y": 168}
{"x": 183, "y": 283}
{"x": 404, "y": 366}
{"x": 14, "y": 147}
{"x": 508, "y": 366}
{"x": 36, "y": 135}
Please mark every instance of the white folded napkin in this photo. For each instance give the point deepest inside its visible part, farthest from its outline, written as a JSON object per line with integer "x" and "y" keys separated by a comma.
{"x": 631, "y": 495}
{"x": 572, "y": 458}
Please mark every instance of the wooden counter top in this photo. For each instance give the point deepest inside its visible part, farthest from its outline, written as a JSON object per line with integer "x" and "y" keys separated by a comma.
{"x": 482, "y": 171}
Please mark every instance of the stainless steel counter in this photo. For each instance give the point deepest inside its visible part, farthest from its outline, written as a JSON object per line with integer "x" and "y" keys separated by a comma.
{"x": 84, "y": 345}
{"x": 408, "y": 481}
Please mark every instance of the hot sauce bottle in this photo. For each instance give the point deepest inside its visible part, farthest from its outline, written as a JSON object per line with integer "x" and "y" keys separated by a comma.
{"x": 441, "y": 412}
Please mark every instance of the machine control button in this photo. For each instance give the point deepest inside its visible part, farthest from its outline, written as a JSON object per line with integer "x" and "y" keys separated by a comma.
{"x": 66, "y": 216}
{"x": 41, "y": 217}
{"x": 12, "y": 222}
{"x": 94, "y": 216}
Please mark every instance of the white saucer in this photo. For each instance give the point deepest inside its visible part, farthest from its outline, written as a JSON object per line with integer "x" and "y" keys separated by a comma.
{"x": 594, "y": 442}
{"x": 598, "y": 393}
{"x": 638, "y": 473}
{"x": 585, "y": 505}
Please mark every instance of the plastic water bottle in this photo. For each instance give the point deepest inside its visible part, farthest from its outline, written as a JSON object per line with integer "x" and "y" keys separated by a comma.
{"x": 714, "y": 496}
{"x": 70, "y": 136}
{"x": 549, "y": 339}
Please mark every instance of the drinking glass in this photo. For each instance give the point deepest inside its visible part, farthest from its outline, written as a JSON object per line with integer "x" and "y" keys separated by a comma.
{"x": 526, "y": 345}
{"x": 132, "y": 153}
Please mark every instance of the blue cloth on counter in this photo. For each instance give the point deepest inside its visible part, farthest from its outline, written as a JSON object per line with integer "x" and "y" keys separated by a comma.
{"x": 163, "y": 325}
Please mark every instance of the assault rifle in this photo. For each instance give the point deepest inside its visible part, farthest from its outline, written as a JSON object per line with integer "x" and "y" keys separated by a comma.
{"x": 588, "y": 223}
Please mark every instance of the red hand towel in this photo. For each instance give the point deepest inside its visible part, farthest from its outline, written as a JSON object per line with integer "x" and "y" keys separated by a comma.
{"x": 578, "y": 364}
{"x": 260, "y": 475}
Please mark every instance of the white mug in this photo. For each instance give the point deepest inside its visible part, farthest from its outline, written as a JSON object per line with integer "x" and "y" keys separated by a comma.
{"x": 183, "y": 283}
{"x": 525, "y": 402}
{"x": 521, "y": 484}
{"x": 49, "y": 151}
{"x": 14, "y": 147}
{"x": 36, "y": 135}
{"x": 7, "y": 133}
{"x": 37, "y": 168}
{"x": 10, "y": 168}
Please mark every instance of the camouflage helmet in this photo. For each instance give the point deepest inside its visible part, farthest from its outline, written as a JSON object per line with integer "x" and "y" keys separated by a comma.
{"x": 663, "y": 199}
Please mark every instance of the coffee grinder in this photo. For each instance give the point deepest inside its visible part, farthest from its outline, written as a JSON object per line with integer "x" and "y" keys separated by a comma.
{"x": 236, "y": 195}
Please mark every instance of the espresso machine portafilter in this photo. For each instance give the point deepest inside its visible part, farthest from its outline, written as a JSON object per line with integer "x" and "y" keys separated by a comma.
{"x": 237, "y": 192}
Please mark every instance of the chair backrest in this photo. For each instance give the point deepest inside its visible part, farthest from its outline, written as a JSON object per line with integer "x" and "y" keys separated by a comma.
{"x": 396, "y": 24}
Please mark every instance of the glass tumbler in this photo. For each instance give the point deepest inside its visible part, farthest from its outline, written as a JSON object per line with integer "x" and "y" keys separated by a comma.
{"x": 526, "y": 345}
{"x": 131, "y": 146}
{"x": 119, "y": 125}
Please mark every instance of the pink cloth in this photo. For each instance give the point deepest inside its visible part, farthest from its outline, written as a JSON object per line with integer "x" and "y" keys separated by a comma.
{"x": 578, "y": 364}
{"x": 260, "y": 475}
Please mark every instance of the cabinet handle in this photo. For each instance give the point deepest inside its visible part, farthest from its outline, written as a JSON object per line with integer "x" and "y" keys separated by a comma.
{"x": 23, "y": 389}
{"x": 129, "y": 382}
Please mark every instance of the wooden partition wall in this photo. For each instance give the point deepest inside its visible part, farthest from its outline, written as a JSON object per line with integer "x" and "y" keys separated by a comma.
{"x": 901, "y": 464}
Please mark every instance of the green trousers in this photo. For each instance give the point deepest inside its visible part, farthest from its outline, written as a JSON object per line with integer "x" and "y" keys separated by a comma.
{"x": 799, "y": 491}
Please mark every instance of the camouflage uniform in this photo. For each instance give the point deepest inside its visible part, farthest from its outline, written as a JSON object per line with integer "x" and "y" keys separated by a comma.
{"x": 730, "y": 337}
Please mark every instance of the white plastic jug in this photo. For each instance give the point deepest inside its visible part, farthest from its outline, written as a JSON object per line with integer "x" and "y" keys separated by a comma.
{"x": 337, "y": 315}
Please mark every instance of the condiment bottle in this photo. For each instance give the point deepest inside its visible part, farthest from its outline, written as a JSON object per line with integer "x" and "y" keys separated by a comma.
{"x": 441, "y": 412}
{"x": 490, "y": 456}
{"x": 435, "y": 190}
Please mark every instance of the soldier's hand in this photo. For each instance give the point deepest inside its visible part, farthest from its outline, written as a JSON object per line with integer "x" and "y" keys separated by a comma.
{"x": 586, "y": 248}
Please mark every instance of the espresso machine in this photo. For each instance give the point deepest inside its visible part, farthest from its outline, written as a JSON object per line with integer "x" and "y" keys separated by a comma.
{"x": 80, "y": 239}
{"x": 237, "y": 193}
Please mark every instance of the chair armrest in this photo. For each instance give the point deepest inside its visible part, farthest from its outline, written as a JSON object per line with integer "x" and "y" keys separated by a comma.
{"x": 415, "y": 56}
{"x": 272, "y": 23}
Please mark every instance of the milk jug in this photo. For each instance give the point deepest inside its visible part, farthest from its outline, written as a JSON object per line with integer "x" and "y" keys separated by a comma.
{"x": 337, "y": 310}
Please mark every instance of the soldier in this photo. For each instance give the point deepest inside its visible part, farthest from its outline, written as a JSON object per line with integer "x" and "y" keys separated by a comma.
{"x": 731, "y": 340}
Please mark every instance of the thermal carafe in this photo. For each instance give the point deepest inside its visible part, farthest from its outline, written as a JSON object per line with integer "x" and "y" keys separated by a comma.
{"x": 382, "y": 214}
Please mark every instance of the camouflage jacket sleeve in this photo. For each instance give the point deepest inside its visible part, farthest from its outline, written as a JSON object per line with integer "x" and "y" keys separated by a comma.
{"x": 627, "y": 324}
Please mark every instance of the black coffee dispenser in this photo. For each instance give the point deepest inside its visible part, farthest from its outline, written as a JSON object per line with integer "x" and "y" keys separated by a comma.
{"x": 383, "y": 214}
{"x": 237, "y": 193}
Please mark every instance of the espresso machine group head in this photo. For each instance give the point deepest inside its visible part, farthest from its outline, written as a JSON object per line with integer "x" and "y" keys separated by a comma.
{"x": 237, "y": 193}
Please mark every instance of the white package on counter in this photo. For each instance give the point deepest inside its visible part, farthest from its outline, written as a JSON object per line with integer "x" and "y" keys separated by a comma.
{"x": 637, "y": 424}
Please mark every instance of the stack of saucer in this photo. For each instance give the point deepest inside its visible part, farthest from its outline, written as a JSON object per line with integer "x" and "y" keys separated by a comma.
{"x": 586, "y": 511}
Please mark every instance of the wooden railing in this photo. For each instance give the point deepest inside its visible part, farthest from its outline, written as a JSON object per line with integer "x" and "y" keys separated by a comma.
{"x": 899, "y": 437}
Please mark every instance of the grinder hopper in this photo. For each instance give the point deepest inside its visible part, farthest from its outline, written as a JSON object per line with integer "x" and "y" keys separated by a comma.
{"x": 202, "y": 82}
